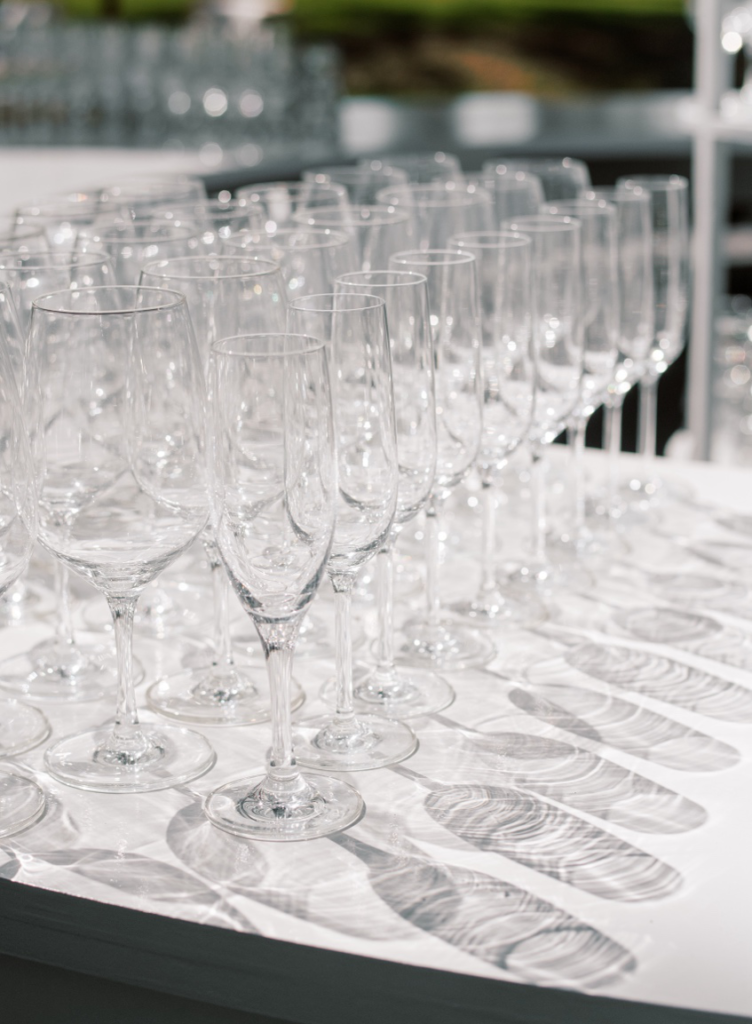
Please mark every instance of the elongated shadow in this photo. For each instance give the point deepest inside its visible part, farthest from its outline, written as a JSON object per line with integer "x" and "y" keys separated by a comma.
{"x": 522, "y": 827}
{"x": 625, "y": 726}
{"x": 650, "y": 674}
{"x": 698, "y": 634}
{"x": 583, "y": 780}
{"x": 492, "y": 920}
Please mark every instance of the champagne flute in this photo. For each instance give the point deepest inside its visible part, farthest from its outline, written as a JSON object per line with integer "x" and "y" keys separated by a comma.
{"x": 422, "y": 168}
{"x": 354, "y": 325}
{"x": 456, "y": 330}
{"x": 117, "y": 442}
{"x": 362, "y": 181}
{"x": 21, "y": 800}
{"x": 561, "y": 179}
{"x": 273, "y": 487}
{"x": 226, "y": 295}
{"x": 442, "y": 209}
{"x": 378, "y": 230}
{"x": 279, "y": 201}
{"x": 311, "y": 259}
{"x": 402, "y": 691}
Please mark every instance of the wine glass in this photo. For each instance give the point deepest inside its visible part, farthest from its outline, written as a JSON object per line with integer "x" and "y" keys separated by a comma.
{"x": 512, "y": 195}
{"x": 226, "y": 295}
{"x": 670, "y": 232}
{"x": 442, "y": 209}
{"x": 214, "y": 220}
{"x": 65, "y": 667}
{"x": 21, "y": 800}
{"x": 422, "y": 168}
{"x": 273, "y": 487}
{"x": 60, "y": 218}
{"x": 311, "y": 259}
{"x": 362, "y": 181}
{"x": 402, "y": 691}
{"x": 558, "y": 349}
{"x": 457, "y": 337}
{"x": 378, "y": 230}
{"x": 503, "y": 262}
{"x": 354, "y": 325}
{"x": 136, "y": 195}
{"x": 636, "y": 314}
{"x": 600, "y": 325}
{"x": 279, "y": 201}
{"x": 118, "y": 452}
{"x": 561, "y": 179}
{"x": 132, "y": 243}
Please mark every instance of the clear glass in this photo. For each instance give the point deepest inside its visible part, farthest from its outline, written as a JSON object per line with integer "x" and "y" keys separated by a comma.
{"x": 401, "y": 690}
{"x": 117, "y": 442}
{"x": 559, "y": 353}
{"x": 503, "y": 264}
{"x": 273, "y": 488}
{"x": 362, "y": 181}
{"x": 135, "y": 196}
{"x": 354, "y": 326}
{"x": 279, "y": 201}
{"x": 442, "y": 209}
{"x": 131, "y": 244}
{"x": 378, "y": 231}
{"x": 22, "y": 802}
{"x": 515, "y": 194}
{"x": 669, "y": 210}
{"x": 61, "y": 219}
{"x": 227, "y": 296}
{"x": 600, "y": 324}
{"x": 454, "y": 314}
{"x": 561, "y": 179}
{"x": 421, "y": 168}
{"x": 311, "y": 259}
{"x": 63, "y": 668}
{"x": 213, "y": 220}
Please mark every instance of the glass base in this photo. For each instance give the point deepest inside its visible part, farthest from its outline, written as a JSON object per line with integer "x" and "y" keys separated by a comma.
{"x": 21, "y": 728}
{"x": 496, "y": 608}
{"x": 21, "y": 803}
{"x": 406, "y": 692}
{"x": 61, "y": 672}
{"x": 313, "y": 806}
{"x": 445, "y": 645}
{"x": 154, "y": 757}
{"x": 210, "y": 696}
{"x": 352, "y": 745}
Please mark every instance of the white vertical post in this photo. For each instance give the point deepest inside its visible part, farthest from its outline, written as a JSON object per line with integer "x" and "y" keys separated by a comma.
{"x": 710, "y": 182}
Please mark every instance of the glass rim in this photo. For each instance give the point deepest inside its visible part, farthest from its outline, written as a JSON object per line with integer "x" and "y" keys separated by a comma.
{"x": 563, "y": 163}
{"x": 449, "y": 257}
{"x": 588, "y": 207}
{"x": 298, "y": 304}
{"x": 539, "y": 222}
{"x": 332, "y": 235}
{"x": 436, "y": 196}
{"x": 382, "y": 215}
{"x": 217, "y": 346}
{"x": 270, "y": 267}
{"x": 87, "y": 258}
{"x": 470, "y": 239}
{"x": 243, "y": 191}
{"x": 173, "y": 299}
{"x": 417, "y": 278}
{"x": 105, "y": 232}
{"x": 655, "y": 182}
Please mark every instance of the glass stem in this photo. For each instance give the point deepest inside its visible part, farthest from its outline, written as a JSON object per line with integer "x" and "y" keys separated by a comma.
{"x": 281, "y": 767}
{"x": 577, "y": 428}
{"x": 126, "y": 715}
{"x": 221, "y": 592}
{"x": 538, "y": 482}
{"x": 64, "y": 628}
{"x": 488, "y": 545}
{"x": 385, "y": 594}
{"x": 648, "y": 414}
{"x": 432, "y": 565}
{"x": 612, "y": 424}
{"x": 343, "y": 584}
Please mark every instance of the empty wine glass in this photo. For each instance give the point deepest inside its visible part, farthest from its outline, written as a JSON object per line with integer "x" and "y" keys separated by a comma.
{"x": 136, "y": 195}
{"x": 442, "y": 209}
{"x": 561, "y": 179}
{"x": 421, "y": 168}
{"x": 60, "y": 218}
{"x": 226, "y": 295}
{"x": 273, "y": 488}
{"x": 514, "y": 194}
{"x": 558, "y": 348}
{"x": 214, "y": 220}
{"x": 279, "y": 201}
{"x": 378, "y": 231}
{"x": 457, "y": 335}
{"x": 362, "y": 181}
{"x": 21, "y": 800}
{"x": 503, "y": 263}
{"x": 311, "y": 259}
{"x": 354, "y": 325}
{"x": 132, "y": 243}
{"x": 670, "y": 233}
{"x": 65, "y": 667}
{"x": 402, "y": 691}
{"x": 118, "y": 452}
